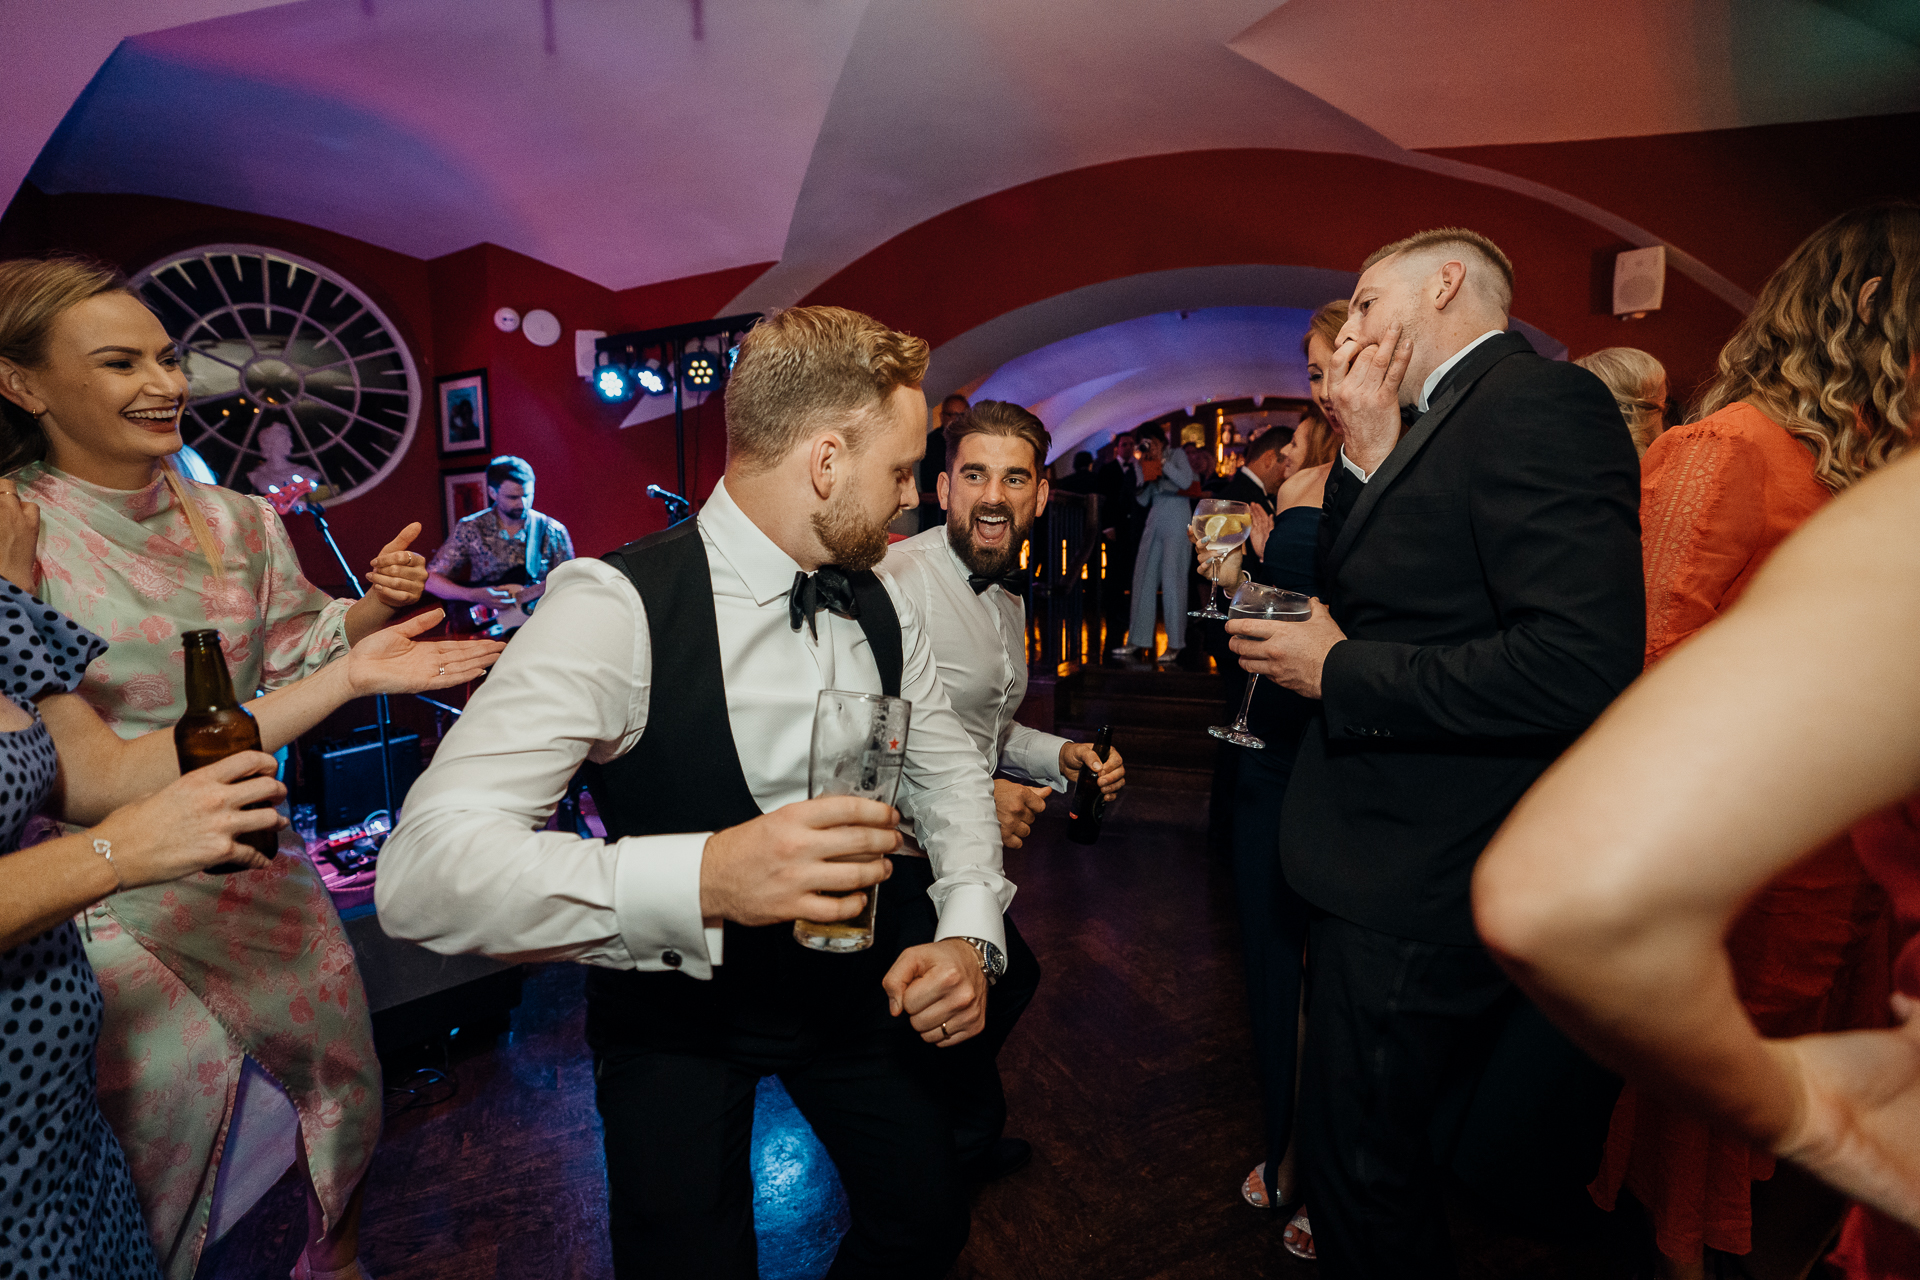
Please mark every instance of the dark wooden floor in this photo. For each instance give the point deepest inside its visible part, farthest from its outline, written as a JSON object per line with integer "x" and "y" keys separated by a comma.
{"x": 1129, "y": 1074}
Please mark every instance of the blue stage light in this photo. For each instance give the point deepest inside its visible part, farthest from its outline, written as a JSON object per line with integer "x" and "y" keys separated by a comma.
{"x": 613, "y": 384}
{"x": 651, "y": 380}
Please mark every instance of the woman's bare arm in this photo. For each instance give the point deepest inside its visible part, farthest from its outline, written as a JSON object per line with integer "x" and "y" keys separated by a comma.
{"x": 1608, "y": 892}
{"x": 99, "y": 770}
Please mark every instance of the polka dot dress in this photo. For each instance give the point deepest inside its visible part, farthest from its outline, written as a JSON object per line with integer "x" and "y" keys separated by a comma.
{"x": 67, "y": 1206}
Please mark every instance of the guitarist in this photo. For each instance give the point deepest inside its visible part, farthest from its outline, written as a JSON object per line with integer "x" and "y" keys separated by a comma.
{"x": 505, "y": 552}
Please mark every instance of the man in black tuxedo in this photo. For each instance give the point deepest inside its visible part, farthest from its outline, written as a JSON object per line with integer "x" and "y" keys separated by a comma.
{"x": 1484, "y": 603}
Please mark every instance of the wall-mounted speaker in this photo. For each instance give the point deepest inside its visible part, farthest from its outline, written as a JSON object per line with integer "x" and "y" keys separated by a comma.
{"x": 1639, "y": 281}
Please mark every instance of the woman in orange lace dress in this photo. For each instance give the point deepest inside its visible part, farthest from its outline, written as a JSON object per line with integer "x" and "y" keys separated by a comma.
{"x": 1812, "y": 394}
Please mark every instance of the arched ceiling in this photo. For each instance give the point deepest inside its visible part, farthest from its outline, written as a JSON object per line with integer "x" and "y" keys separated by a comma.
{"x": 634, "y": 141}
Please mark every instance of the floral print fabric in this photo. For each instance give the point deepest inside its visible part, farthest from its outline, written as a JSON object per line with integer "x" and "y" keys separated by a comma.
{"x": 203, "y": 971}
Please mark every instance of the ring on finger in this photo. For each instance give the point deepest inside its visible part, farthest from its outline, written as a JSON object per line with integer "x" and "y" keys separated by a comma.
{"x": 944, "y": 1033}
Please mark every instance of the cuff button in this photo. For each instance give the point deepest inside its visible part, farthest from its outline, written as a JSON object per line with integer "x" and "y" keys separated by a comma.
{"x": 670, "y": 958}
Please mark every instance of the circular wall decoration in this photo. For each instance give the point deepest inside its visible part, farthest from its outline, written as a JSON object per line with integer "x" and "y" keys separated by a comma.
{"x": 290, "y": 369}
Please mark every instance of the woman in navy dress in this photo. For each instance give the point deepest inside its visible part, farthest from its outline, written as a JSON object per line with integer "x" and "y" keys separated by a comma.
{"x": 67, "y": 1204}
{"x": 1273, "y": 918}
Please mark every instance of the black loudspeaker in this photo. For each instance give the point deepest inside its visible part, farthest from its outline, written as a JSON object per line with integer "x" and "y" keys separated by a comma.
{"x": 343, "y": 776}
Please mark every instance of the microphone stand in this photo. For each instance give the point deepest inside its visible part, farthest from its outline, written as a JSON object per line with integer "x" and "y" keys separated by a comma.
{"x": 678, "y": 508}
{"x": 380, "y": 713}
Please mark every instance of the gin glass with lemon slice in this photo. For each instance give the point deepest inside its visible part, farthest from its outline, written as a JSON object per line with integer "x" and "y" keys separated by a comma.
{"x": 1221, "y": 527}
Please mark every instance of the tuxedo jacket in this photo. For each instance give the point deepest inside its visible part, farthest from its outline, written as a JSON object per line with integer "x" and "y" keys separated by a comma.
{"x": 1488, "y": 580}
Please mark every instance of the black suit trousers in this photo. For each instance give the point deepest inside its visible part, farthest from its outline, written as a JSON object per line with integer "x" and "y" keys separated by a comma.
{"x": 1394, "y": 1027}
{"x": 971, "y": 1069}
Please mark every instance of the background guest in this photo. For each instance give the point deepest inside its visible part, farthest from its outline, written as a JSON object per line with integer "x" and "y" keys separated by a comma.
{"x": 1120, "y": 523}
{"x": 1483, "y": 575}
{"x": 1160, "y": 566}
{"x": 934, "y": 462}
{"x": 1639, "y": 386}
{"x": 1812, "y": 394}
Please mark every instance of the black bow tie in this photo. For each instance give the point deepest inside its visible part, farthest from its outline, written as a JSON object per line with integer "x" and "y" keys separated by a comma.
{"x": 1016, "y": 582}
{"x": 831, "y": 588}
{"x": 1410, "y": 414}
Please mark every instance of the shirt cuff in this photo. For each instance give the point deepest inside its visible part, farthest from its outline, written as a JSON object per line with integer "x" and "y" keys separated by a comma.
{"x": 656, "y": 903}
{"x": 1350, "y": 465}
{"x": 1037, "y": 755}
{"x": 972, "y": 911}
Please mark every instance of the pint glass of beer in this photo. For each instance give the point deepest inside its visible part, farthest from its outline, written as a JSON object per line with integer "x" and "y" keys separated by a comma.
{"x": 859, "y": 742}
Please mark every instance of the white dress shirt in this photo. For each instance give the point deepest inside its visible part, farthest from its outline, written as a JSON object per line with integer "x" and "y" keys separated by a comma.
{"x": 1426, "y": 394}
{"x": 470, "y": 867}
{"x": 980, "y": 643}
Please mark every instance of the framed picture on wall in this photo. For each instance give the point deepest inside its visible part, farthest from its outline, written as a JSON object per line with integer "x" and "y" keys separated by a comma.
{"x": 464, "y": 423}
{"x": 464, "y": 492}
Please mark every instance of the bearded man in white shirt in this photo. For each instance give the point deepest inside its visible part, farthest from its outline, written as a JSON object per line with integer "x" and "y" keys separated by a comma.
{"x": 965, "y": 580}
{"x": 685, "y": 668}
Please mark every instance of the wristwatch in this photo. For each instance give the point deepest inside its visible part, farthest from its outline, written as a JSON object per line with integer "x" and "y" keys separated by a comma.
{"x": 993, "y": 961}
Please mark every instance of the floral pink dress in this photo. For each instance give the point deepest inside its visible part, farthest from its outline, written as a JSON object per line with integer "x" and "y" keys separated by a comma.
{"x": 205, "y": 972}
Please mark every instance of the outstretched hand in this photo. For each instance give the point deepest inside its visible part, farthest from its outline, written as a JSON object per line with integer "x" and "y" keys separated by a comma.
{"x": 1858, "y": 1120}
{"x": 392, "y": 661}
{"x": 398, "y": 576}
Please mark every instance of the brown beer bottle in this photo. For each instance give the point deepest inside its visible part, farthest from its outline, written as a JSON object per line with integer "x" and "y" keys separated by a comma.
{"x": 217, "y": 726}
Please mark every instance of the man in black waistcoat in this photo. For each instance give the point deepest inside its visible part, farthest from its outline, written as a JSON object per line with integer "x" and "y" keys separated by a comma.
{"x": 684, "y": 670}
{"x": 1484, "y": 603}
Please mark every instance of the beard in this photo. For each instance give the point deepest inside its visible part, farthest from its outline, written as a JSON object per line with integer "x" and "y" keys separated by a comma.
{"x": 851, "y": 538}
{"x": 988, "y": 562}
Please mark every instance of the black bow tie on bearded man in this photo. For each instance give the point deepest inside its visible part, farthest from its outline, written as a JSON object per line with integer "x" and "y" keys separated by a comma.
{"x": 1016, "y": 582}
{"x": 831, "y": 588}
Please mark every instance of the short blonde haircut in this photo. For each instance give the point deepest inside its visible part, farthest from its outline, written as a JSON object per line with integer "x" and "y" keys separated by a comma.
{"x": 1469, "y": 243}
{"x": 801, "y": 367}
{"x": 1635, "y": 379}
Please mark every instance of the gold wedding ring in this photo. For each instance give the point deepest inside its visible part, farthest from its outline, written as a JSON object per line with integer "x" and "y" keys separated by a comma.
{"x": 944, "y": 1033}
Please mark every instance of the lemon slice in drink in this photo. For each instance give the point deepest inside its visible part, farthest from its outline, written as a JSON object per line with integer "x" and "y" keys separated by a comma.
{"x": 1215, "y": 526}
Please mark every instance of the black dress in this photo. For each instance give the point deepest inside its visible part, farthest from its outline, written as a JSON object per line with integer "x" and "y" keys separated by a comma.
{"x": 67, "y": 1204}
{"x": 1273, "y": 919}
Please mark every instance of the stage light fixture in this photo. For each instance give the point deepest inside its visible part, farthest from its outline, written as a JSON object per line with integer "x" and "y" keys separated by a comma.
{"x": 700, "y": 370}
{"x": 613, "y": 384}
{"x": 651, "y": 379}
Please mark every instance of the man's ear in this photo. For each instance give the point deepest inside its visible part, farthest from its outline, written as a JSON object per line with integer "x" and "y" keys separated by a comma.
{"x": 1046, "y": 491}
{"x": 1446, "y": 283}
{"x": 941, "y": 486}
{"x": 825, "y": 453}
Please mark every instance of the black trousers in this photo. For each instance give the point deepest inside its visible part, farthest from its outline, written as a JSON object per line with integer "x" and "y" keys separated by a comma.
{"x": 1273, "y": 937}
{"x": 1422, "y": 1057}
{"x": 675, "y": 1067}
{"x": 971, "y": 1069}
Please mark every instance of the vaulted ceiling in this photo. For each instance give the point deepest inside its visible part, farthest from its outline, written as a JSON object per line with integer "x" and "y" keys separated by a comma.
{"x": 636, "y": 141}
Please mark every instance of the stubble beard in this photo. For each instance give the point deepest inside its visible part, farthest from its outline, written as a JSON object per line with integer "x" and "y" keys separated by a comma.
{"x": 851, "y": 541}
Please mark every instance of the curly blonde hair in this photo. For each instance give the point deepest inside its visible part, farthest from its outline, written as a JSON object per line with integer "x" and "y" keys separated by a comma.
{"x": 1831, "y": 369}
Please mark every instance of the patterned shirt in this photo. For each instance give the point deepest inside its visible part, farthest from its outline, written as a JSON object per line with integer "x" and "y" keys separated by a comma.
{"x": 488, "y": 553}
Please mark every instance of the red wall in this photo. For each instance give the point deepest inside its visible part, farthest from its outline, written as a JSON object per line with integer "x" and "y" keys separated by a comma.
{"x": 592, "y": 474}
{"x": 1160, "y": 213}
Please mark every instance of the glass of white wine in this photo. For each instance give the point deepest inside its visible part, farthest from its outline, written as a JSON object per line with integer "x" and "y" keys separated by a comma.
{"x": 1221, "y": 527}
